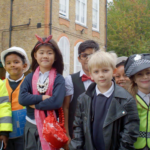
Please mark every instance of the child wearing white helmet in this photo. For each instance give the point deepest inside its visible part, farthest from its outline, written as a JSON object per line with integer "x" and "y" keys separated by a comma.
{"x": 16, "y": 63}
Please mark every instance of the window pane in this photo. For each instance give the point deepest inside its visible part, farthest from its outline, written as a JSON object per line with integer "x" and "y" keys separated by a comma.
{"x": 64, "y": 46}
{"x": 95, "y": 18}
{"x": 77, "y": 65}
{"x": 77, "y": 9}
{"x": 62, "y": 6}
{"x": 83, "y": 12}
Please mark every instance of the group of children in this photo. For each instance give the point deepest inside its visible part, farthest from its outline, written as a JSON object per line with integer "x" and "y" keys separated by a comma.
{"x": 106, "y": 104}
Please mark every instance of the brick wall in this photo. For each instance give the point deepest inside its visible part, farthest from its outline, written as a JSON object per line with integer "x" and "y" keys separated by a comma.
{"x": 38, "y": 12}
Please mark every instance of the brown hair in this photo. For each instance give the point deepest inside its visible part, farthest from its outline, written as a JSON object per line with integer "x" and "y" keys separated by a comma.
{"x": 133, "y": 89}
{"x": 58, "y": 64}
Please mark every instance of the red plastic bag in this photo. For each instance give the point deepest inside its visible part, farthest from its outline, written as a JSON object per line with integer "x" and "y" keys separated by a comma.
{"x": 54, "y": 132}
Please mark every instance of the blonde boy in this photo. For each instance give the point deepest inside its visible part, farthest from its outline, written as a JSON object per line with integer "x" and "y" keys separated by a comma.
{"x": 106, "y": 115}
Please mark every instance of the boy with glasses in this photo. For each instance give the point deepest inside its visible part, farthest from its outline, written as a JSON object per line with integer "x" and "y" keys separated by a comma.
{"x": 77, "y": 83}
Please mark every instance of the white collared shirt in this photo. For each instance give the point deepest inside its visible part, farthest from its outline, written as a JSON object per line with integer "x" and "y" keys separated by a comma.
{"x": 69, "y": 85}
{"x": 11, "y": 80}
{"x": 107, "y": 93}
{"x": 145, "y": 97}
{"x": 43, "y": 76}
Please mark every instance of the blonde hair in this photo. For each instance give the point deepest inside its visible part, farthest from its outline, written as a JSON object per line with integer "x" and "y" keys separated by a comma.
{"x": 102, "y": 58}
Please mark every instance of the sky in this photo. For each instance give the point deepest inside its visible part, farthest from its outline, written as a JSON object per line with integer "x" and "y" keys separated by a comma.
{"x": 109, "y": 0}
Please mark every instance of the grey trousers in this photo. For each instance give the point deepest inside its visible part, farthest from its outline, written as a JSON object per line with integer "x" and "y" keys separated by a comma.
{"x": 31, "y": 137}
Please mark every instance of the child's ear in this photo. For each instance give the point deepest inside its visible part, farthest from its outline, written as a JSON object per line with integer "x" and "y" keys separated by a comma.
{"x": 35, "y": 56}
{"x": 79, "y": 59}
{"x": 24, "y": 66}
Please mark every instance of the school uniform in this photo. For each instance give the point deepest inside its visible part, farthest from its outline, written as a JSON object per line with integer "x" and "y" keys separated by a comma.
{"x": 100, "y": 105}
{"x": 13, "y": 88}
{"x": 74, "y": 87}
{"x": 31, "y": 135}
{"x": 111, "y": 123}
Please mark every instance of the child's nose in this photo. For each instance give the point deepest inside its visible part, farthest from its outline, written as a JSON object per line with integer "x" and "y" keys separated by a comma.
{"x": 45, "y": 55}
{"x": 101, "y": 74}
{"x": 12, "y": 64}
{"x": 122, "y": 78}
{"x": 145, "y": 75}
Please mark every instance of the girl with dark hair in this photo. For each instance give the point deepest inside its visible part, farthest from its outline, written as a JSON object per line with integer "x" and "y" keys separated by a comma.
{"x": 119, "y": 73}
{"x": 137, "y": 68}
{"x": 42, "y": 90}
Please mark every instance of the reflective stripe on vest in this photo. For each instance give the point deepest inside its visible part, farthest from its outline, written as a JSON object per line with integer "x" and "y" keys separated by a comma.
{"x": 4, "y": 99}
{"x": 144, "y": 134}
{"x": 14, "y": 95}
{"x": 7, "y": 119}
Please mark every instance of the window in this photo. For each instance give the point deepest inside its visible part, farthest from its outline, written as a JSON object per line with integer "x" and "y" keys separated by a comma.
{"x": 77, "y": 65}
{"x": 64, "y": 46}
{"x": 81, "y": 11}
{"x": 64, "y": 8}
{"x": 95, "y": 17}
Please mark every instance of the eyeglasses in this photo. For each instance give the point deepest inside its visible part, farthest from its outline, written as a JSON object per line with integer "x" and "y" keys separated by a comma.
{"x": 84, "y": 56}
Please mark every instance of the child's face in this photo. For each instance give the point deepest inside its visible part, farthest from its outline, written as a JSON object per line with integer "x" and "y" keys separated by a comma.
{"x": 142, "y": 79}
{"x": 102, "y": 76}
{"x": 84, "y": 60}
{"x": 14, "y": 66}
{"x": 121, "y": 78}
{"x": 45, "y": 57}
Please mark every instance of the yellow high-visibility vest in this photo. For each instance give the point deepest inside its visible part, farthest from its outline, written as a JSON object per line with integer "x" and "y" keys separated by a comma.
{"x": 144, "y": 131}
{"x": 5, "y": 109}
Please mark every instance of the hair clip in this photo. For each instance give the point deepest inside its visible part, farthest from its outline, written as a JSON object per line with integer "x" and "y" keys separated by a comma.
{"x": 41, "y": 40}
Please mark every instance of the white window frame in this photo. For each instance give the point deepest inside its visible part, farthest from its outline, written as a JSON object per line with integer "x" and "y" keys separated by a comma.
{"x": 97, "y": 29}
{"x": 63, "y": 14}
{"x": 85, "y": 13}
{"x": 66, "y": 51}
{"x": 76, "y": 57}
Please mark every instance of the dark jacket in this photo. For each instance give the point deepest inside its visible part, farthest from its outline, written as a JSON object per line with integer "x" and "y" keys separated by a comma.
{"x": 121, "y": 125}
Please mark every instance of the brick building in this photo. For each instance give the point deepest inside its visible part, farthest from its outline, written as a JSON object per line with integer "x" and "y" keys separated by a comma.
{"x": 73, "y": 21}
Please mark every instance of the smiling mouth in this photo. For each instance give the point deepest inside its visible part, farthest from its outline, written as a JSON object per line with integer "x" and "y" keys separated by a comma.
{"x": 144, "y": 81}
{"x": 122, "y": 84}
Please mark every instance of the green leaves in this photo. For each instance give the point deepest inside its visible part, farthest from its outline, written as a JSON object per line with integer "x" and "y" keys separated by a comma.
{"x": 129, "y": 27}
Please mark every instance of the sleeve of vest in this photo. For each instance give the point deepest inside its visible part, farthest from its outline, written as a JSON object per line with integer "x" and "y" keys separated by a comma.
{"x": 5, "y": 109}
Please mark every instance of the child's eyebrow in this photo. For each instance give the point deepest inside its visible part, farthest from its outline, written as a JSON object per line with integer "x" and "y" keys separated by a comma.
{"x": 44, "y": 50}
